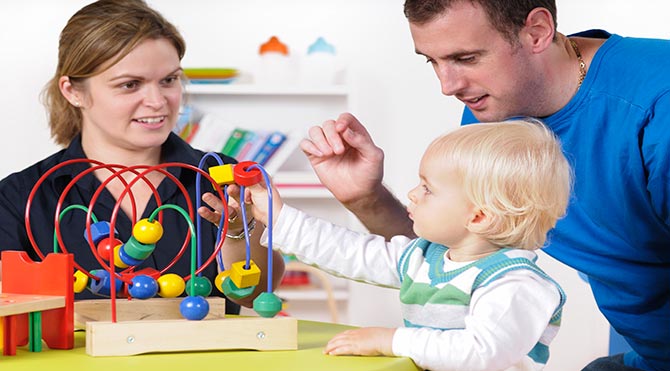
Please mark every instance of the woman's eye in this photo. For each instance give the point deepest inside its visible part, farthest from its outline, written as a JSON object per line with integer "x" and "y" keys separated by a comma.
{"x": 130, "y": 85}
{"x": 171, "y": 80}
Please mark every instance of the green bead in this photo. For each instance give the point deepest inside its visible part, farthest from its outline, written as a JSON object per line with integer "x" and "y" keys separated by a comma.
{"x": 201, "y": 286}
{"x": 267, "y": 304}
{"x": 231, "y": 290}
{"x": 138, "y": 250}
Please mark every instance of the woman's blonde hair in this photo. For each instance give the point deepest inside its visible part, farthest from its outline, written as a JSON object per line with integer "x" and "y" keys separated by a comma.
{"x": 515, "y": 172}
{"x": 94, "y": 39}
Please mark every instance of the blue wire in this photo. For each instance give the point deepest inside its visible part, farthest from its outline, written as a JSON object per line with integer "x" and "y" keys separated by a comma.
{"x": 198, "y": 218}
{"x": 269, "y": 225}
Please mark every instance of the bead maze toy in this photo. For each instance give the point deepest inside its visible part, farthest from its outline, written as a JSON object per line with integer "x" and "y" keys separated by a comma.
{"x": 55, "y": 279}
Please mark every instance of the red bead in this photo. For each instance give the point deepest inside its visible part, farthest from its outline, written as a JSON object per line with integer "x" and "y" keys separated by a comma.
{"x": 245, "y": 177}
{"x": 105, "y": 247}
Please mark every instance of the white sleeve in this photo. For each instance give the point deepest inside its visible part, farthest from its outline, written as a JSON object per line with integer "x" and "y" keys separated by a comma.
{"x": 359, "y": 256}
{"x": 506, "y": 320}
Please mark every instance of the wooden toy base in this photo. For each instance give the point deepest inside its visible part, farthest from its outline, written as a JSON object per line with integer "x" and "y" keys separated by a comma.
{"x": 167, "y": 332}
{"x": 137, "y": 337}
{"x": 135, "y": 310}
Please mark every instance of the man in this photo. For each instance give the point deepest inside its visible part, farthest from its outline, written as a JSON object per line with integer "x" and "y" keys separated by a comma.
{"x": 605, "y": 96}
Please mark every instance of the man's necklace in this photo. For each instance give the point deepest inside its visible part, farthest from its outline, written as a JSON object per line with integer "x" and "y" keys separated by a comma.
{"x": 582, "y": 65}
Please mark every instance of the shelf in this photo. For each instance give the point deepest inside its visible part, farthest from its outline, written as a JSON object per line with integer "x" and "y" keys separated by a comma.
{"x": 307, "y": 294}
{"x": 254, "y": 89}
{"x": 298, "y": 191}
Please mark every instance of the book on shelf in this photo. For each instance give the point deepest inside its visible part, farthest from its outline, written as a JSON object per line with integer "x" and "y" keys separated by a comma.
{"x": 273, "y": 142}
{"x": 270, "y": 149}
{"x": 289, "y": 146}
{"x": 209, "y": 133}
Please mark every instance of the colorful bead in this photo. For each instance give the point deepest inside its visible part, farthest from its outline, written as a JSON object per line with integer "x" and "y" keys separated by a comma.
{"x": 194, "y": 308}
{"x": 143, "y": 287}
{"x": 246, "y": 177}
{"x": 137, "y": 250}
{"x": 243, "y": 276}
{"x": 232, "y": 291}
{"x": 105, "y": 247}
{"x": 127, "y": 260}
{"x": 218, "y": 281}
{"x": 99, "y": 230}
{"x": 201, "y": 286}
{"x": 103, "y": 285}
{"x": 118, "y": 262}
{"x": 147, "y": 232}
{"x": 170, "y": 285}
{"x": 80, "y": 281}
{"x": 222, "y": 174}
{"x": 267, "y": 304}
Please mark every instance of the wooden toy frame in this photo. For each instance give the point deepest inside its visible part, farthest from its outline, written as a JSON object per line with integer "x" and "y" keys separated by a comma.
{"x": 134, "y": 336}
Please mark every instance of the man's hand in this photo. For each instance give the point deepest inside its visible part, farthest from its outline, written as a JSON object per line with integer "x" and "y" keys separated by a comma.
{"x": 345, "y": 158}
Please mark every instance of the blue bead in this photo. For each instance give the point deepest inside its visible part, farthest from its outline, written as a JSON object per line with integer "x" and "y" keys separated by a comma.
{"x": 99, "y": 231}
{"x": 130, "y": 261}
{"x": 143, "y": 287}
{"x": 194, "y": 308}
{"x": 103, "y": 285}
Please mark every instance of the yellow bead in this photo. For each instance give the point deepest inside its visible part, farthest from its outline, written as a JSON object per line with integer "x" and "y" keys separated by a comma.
{"x": 170, "y": 285}
{"x": 245, "y": 277}
{"x": 222, "y": 174}
{"x": 218, "y": 281}
{"x": 147, "y": 232}
{"x": 117, "y": 259}
{"x": 80, "y": 281}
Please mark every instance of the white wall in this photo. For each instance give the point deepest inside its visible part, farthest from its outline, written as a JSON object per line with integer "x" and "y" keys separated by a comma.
{"x": 393, "y": 91}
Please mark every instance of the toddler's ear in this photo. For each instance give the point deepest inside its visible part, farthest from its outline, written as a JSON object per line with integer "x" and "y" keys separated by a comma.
{"x": 479, "y": 220}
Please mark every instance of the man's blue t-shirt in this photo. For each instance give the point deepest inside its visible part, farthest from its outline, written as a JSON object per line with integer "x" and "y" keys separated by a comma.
{"x": 616, "y": 134}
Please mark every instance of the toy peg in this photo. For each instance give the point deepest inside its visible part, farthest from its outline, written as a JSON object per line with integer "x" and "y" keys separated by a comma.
{"x": 147, "y": 232}
{"x": 245, "y": 276}
{"x": 170, "y": 285}
{"x": 222, "y": 174}
{"x": 245, "y": 176}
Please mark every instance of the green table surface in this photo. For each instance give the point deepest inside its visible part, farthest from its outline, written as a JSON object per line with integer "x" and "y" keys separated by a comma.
{"x": 312, "y": 337}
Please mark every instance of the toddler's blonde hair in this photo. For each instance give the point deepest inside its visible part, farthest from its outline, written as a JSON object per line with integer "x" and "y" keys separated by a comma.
{"x": 515, "y": 172}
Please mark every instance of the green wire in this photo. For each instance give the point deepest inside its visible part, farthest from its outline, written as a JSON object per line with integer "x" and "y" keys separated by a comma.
{"x": 60, "y": 217}
{"x": 193, "y": 239}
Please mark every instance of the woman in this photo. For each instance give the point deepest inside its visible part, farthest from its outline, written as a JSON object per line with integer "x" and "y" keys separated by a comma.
{"x": 115, "y": 99}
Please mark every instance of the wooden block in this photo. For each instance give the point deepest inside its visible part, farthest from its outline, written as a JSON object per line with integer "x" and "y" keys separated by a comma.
{"x": 11, "y": 304}
{"x": 137, "y": 337}
{"x": 136, "y": 310}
